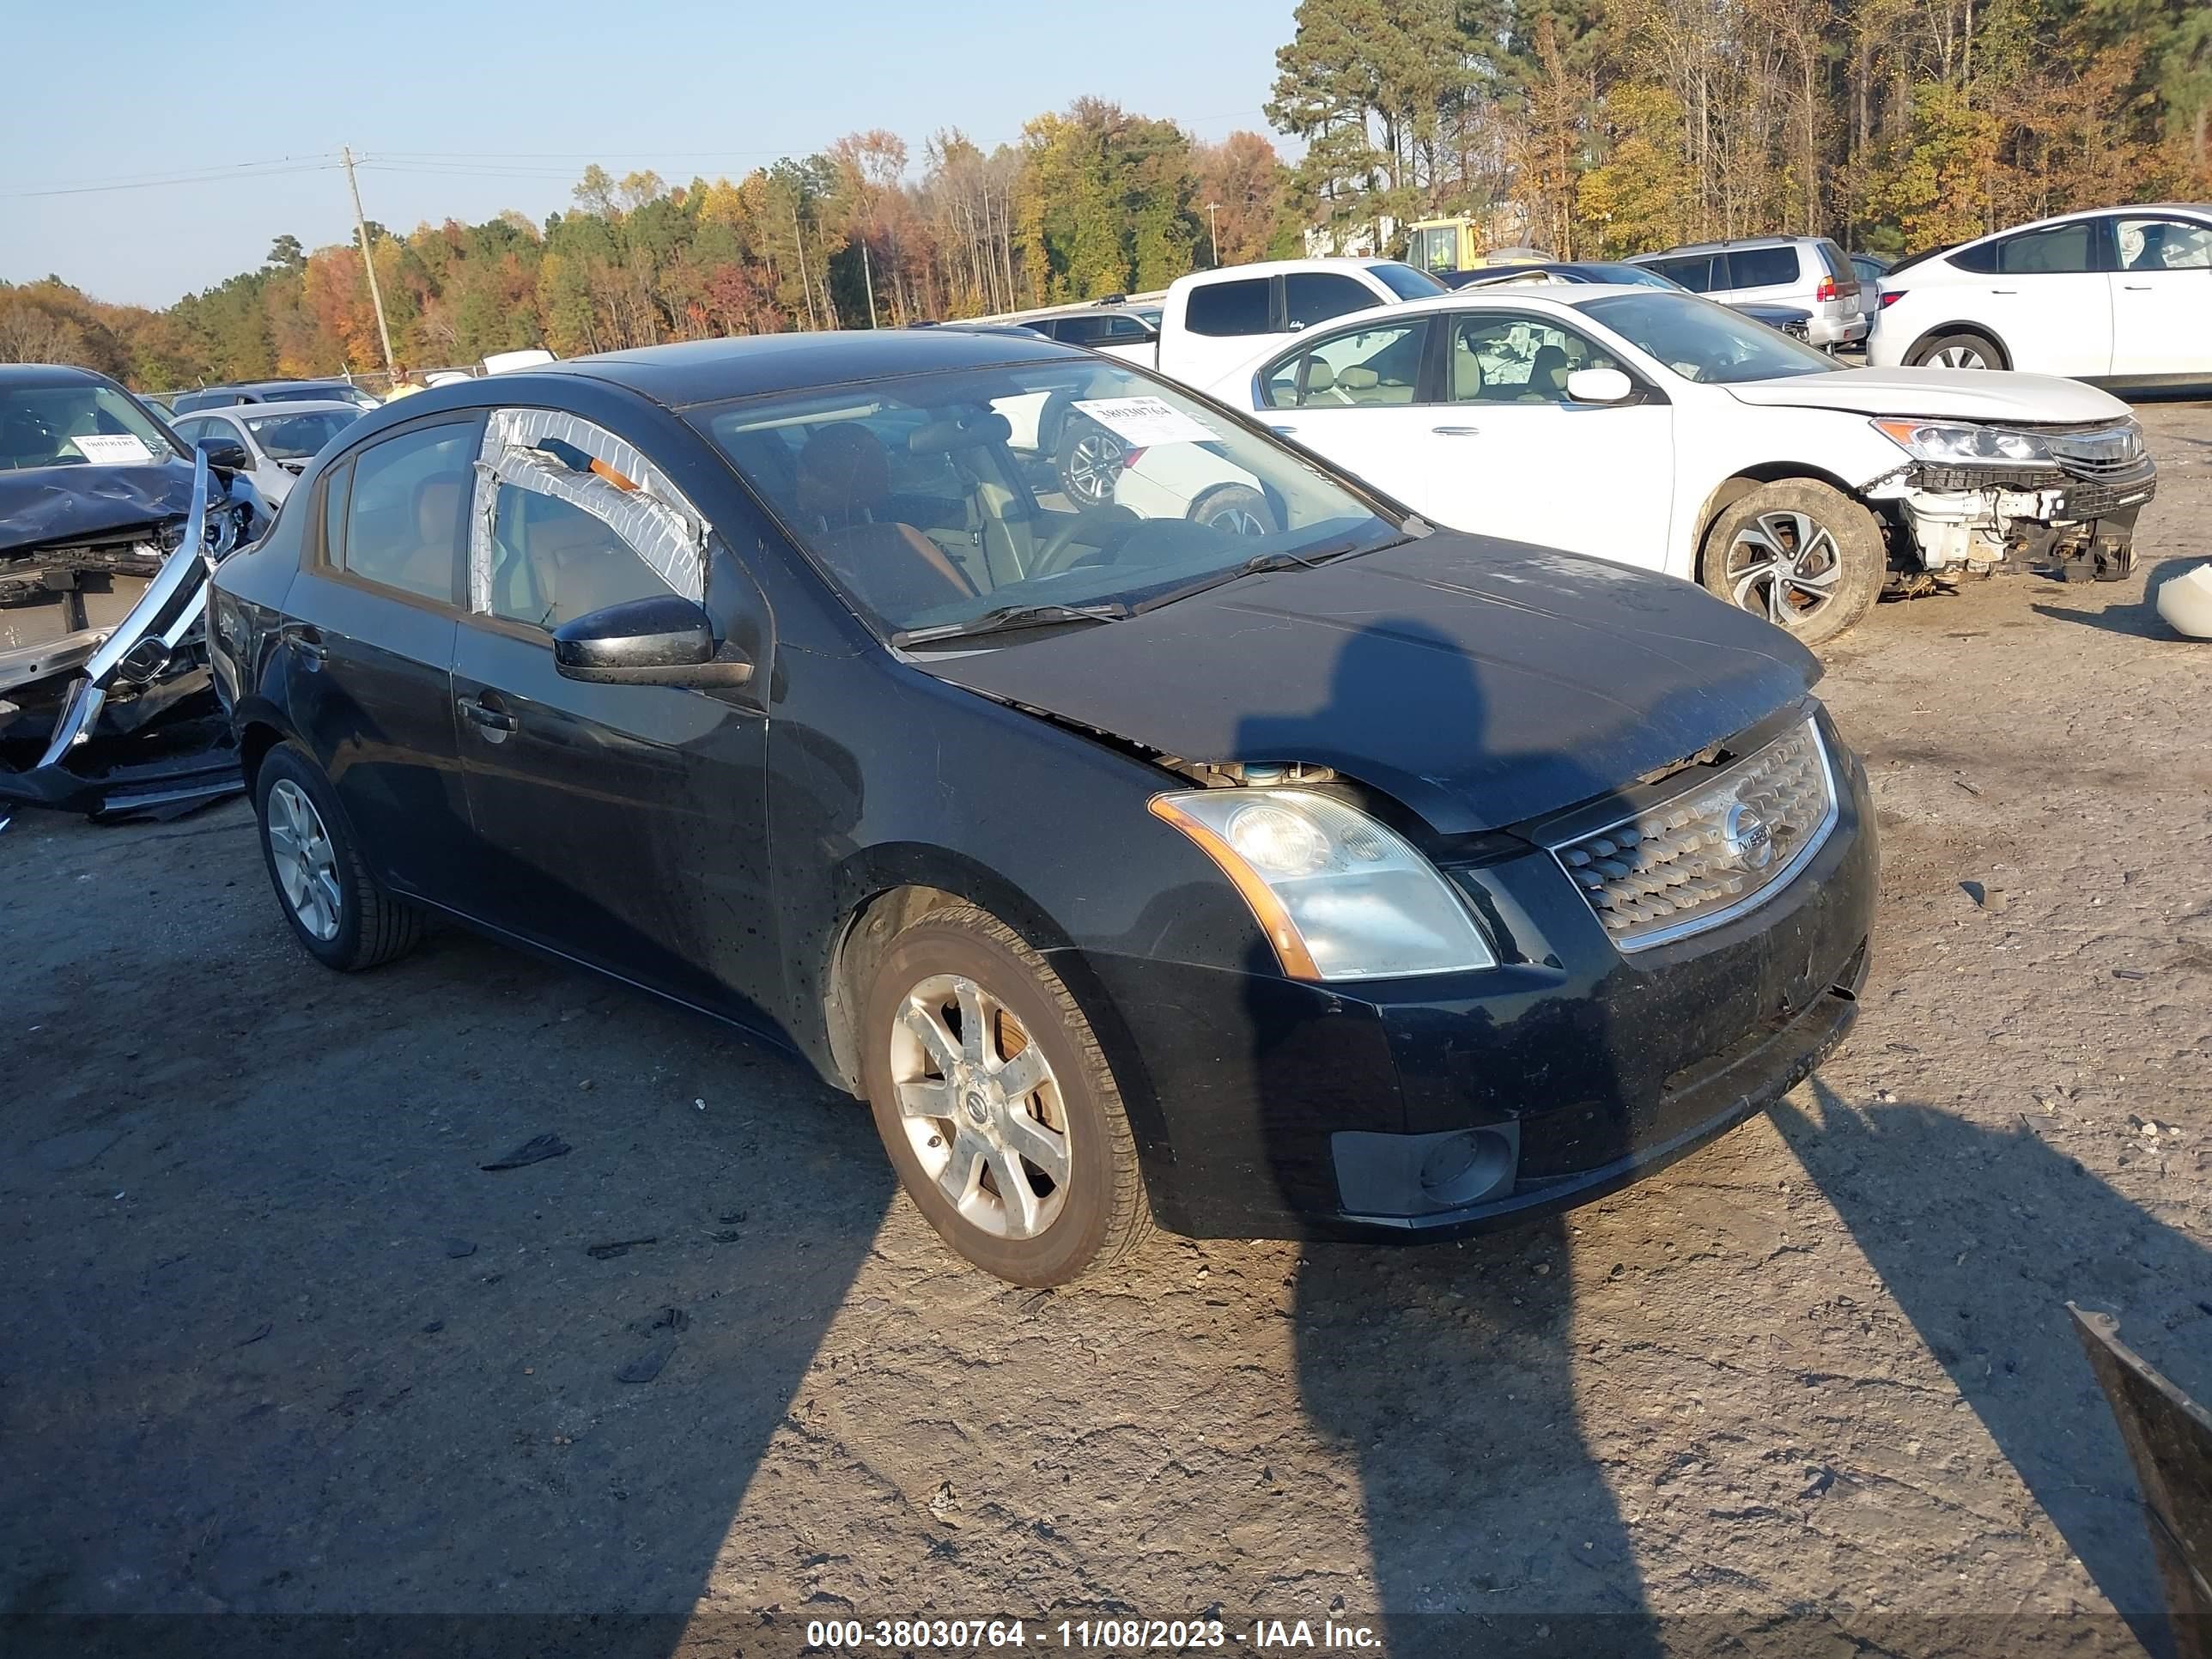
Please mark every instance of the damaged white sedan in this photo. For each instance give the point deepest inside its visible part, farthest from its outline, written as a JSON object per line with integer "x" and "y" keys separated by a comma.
{"x": 1662, "y": 430}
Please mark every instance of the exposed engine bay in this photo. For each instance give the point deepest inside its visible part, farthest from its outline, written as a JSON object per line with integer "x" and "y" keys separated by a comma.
{"x": 2071, "y": 514}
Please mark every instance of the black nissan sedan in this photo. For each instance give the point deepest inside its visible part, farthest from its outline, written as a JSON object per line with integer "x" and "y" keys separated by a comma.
{"x": 1239, "y": 854}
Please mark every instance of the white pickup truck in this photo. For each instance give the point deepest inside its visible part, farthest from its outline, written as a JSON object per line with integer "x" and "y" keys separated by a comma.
{"x": 1211, "y": 322}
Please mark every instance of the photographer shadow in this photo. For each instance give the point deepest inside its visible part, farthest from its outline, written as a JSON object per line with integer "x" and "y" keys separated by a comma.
{"x": 1983, "y": 1236}
{"x": 1446, "y": 1370}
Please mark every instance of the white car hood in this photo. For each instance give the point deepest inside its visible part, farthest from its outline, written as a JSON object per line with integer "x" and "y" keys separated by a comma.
{"x": 1965, "y": 394}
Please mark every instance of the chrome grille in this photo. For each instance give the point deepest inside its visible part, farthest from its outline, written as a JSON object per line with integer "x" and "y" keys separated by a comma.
{"x": 2098, "y": 453}
{"x": 1709, "y": 853}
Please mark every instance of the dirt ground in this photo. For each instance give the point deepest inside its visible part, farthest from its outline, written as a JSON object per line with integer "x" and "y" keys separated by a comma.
{"x": 271, "y": 1342}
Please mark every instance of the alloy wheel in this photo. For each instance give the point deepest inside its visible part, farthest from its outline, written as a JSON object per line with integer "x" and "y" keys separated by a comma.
{"x": 1959, "y": 356}
{"x": 982, "y": 1107}
{"x": 1784, "y": 566}
{"x": 1094, "y": 461}
{"x": 1237, "y": 521}
{"x": 307, "y": 866}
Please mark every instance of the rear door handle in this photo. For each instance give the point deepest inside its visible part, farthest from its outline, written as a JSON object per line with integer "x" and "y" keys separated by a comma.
{"x": 1282, "y": 431}
{"x": 2007, "y": 292}
{"x": 2136, "y": 288}
{"x": 306, "y": 642}
{"x": 494, "y": 722}
{"x": 1457, "y": 431}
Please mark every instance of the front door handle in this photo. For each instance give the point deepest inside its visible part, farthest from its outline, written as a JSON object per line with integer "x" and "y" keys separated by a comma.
{"x": 1456, "y": 431}
{"x": 2007, "y": 292}
{"x": 2136, "y": 288}
{"x": 1282, "y": 431}
{"x": 489, "y": 718}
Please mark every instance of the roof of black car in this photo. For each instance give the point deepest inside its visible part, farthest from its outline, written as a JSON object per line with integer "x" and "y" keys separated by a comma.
{"x": 708, "y": 371}
{"x": 12, "y": 375}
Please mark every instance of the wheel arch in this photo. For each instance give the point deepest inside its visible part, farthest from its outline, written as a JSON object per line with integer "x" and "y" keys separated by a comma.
{"x": 1979, "y": 331}
{"x": 258, "y": 731}
{"x": 1732, "y": 488}
{"x": 884, "y": 890}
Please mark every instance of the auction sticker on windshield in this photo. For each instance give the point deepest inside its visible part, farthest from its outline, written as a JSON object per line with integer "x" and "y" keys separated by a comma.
{"x": 1144, "y": 422}
{"x": 112, "y": 448}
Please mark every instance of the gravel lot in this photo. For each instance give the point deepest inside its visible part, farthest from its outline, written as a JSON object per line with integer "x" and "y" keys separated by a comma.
{"x": 271, "y": 1342}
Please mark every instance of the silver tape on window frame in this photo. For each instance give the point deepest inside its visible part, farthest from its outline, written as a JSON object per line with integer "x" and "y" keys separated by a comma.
{"x": 653, "y": 520}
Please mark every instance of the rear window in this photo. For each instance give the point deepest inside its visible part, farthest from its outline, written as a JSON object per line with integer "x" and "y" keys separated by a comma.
{"x": 1406, "y": 282}
{"x": 1315, "y": 296}
{"x": 1694, "y": 271}
{"x": 2058, "y": 251}
{"x": 1762, "y": 267}
{"x": 1838, "y": 263}
{"x": 1228, "y": 308}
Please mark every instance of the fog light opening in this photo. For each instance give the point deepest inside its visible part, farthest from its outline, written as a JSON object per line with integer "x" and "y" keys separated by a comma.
{"x": 1459, "y": 1169}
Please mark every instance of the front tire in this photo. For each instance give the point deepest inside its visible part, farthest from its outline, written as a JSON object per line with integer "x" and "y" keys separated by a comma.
{"x": 339, "y": 914}
{"x": 1802, "y": 555}
{"x": 1962, "y": 349}
{"x": 996, "y": 1105}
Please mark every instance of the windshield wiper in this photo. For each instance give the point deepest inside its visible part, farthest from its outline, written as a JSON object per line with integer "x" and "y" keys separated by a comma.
{"x": 1261, "y": 564}
{"x": 1008, "y": 617}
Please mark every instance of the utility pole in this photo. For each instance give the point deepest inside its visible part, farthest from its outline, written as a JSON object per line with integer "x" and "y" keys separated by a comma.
{"x": 1214, "y": 231}
{"x": 376, "y": 298}
{"x": 805, "y": 285}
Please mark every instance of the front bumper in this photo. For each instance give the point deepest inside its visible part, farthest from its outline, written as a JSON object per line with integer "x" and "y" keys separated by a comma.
{"x": 1283, "y": 1109}
{"x": 1979, "y": 518}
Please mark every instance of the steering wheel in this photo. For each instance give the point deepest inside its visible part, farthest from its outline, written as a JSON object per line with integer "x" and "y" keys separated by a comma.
{"x": 1058, "y": 552}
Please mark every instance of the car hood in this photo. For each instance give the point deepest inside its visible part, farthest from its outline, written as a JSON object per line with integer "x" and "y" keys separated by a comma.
{"x": 74, "y": 504}
{"x": 1964, "y": 394}
{"x": 1478, "y": 682}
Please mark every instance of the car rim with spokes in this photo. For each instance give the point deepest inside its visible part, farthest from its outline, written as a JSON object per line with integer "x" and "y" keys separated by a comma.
{"x": 1784, "y": 566}
{"x": 982, "y": 1107}
{"x": 1093, "y": 461}
{"x": 307, "y": 866}
{"x": 1236, "y": 520}
{"x": 1960, "y": 357}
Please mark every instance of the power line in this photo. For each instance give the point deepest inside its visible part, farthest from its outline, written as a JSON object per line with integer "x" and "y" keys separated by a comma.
{"x": 226, "y": 175}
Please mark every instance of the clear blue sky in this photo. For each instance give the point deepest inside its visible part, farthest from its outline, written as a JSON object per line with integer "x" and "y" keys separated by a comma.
{"x": 489, "y": 104}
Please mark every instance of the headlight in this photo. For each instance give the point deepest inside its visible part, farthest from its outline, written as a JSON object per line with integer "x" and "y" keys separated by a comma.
{"x": 1957, "y": 444}
{"x": 1338, "y": 895}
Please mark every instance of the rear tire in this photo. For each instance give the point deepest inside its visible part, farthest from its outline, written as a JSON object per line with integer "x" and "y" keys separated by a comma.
{"x": 339, "y": 914}
{"x": 1023, "y": 1162}
{"x": 1802, "y": 555}
{"x": 1961, "y": 349}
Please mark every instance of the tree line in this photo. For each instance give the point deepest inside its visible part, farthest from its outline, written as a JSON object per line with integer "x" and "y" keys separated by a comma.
{"x": 1092, "y": 200}
{"x": 1594, "y": 128}
{"x": 1598, "y": 128}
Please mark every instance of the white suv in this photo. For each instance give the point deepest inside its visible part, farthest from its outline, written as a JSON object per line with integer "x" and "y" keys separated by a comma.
{"x": 2122, "y": 296}
{"x": 1809, "y": 272}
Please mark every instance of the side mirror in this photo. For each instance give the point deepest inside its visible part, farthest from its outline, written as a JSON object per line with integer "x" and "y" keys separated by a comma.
{"x": 665, "y": 641}
{"x": 1600, "y": 386}
{"x": 225, "y": 452}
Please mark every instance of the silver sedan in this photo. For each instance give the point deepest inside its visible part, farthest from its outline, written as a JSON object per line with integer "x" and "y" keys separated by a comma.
{"x": 279, "y": 439}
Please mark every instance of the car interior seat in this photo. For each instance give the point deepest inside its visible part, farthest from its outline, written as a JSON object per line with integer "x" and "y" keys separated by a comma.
{"x": 843, "y": 498}
{"x": 439, "y": 505}
{"x": 1547, "y": 375}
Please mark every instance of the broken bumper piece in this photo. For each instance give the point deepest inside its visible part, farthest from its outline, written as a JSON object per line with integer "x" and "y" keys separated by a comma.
{"x": 1975, "y": 521}
{"x": 125, "y": 722}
